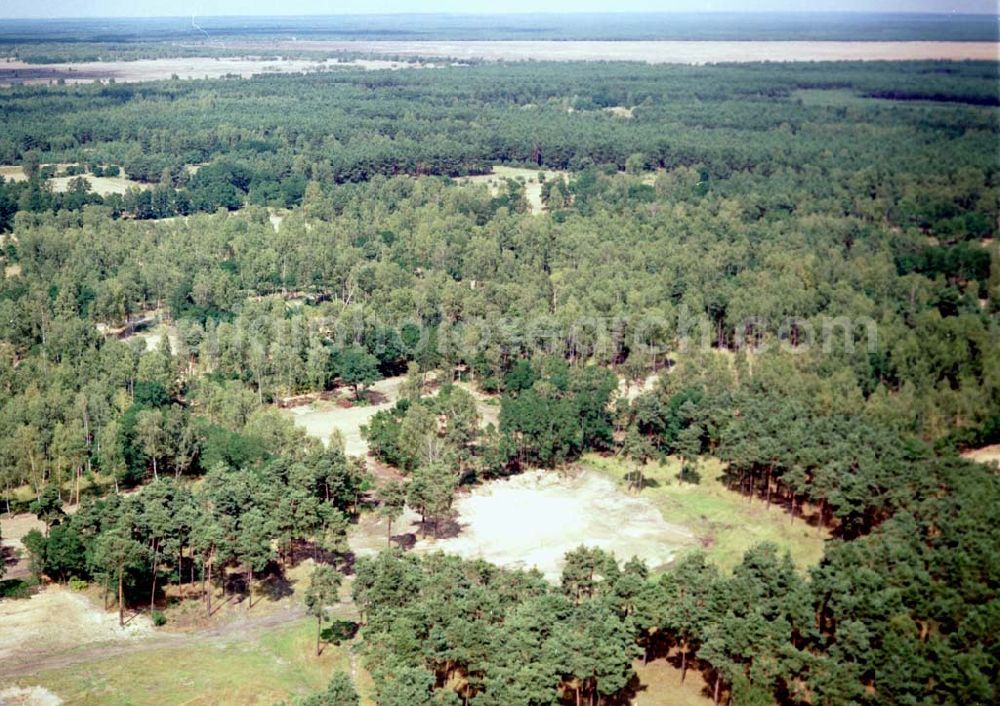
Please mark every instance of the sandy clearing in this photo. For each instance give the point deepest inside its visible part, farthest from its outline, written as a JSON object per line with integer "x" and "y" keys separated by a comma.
{"x": 532, "y": 187}
{"x": 12, "y": 530}
{"x": 620, "y": 111}
{"x": 659, "y": 52}
{"x": 185, "y": 68}
{"x": 533, "y": 519}
{"x": 98, "y": 185}
{"x": 154, "y": 335}
{"x": 987, "y": 454}
{"x": 28, "y": 696}
{"x": 58, "y": 618}
{"x": 321, "y": 418}
{"x": 630, "y": 390}
{"x": 488, "y": 406}
{"x": 13, "y": 173}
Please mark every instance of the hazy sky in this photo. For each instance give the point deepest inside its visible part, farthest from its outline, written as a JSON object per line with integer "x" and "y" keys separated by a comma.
{"x": 159, "y": 8}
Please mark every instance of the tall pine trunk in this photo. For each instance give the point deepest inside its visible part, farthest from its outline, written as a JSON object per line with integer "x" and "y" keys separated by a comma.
{"x": 121, "y": 596}
{"x": 208, "y": 593}
{"x": 152, "y": 594}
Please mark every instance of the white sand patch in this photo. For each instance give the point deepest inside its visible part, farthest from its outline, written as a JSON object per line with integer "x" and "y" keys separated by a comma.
{"x": 28, "y": 696}
{"x": 56, "y": 618}
{"x": 630, "y": 389}
{"x": 652, "y": 51}
{"x": 533, "y": 519}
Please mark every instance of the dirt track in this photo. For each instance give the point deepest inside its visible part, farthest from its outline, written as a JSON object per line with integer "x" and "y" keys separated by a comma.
{"x": 25, "y": 655}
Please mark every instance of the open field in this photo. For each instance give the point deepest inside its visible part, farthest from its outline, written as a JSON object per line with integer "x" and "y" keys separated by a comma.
{"x": 275, "y": 665}
{"x": 655, "y": 52}
{"x": 725, "y": 523}
{"x": 533, "y": 519}
{"x": 62, "y": 641}
{"x": 13, "y": 72}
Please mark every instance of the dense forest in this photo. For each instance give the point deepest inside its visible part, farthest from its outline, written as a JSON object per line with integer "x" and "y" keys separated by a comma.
{"x": 803, "y": 254}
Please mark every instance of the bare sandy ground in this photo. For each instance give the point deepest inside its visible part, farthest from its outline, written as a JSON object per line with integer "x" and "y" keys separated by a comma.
{"x": 987, "y": 454}
{"x": 13, "y": 173}
{"x": 696, "y": 52}
{"x": 14, "y": 72}
{"x": 99, "y": 185}
{"x": 12, "y": 530}
{"x": 320, "y": 419}
{"x": 532, "y": 187}
{"x": 58, "y": 618}
{"x": 533, "y": 519}
{"x": 28, "y": 696}
{"x": 630, "y": 390}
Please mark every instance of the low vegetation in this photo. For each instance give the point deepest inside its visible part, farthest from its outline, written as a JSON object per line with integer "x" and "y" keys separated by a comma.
{"x": 725, "y": 523}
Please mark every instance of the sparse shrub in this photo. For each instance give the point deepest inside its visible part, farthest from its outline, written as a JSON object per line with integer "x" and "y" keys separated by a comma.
{"x": 689, "y": 474}
{"x": 159, "y": 619}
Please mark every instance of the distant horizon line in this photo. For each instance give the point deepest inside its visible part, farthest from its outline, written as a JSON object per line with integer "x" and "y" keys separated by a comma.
{"x": 515, "y": 13}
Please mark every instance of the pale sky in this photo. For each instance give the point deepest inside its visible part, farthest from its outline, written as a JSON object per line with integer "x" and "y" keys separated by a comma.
{"x": 180, "y": 8}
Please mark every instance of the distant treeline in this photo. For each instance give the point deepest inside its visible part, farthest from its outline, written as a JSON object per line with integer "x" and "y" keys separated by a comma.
{"x": 263, "y": 140}
{"x": 715, "y": 26}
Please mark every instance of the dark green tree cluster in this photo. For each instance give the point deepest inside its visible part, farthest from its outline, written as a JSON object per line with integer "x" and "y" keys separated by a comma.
{"x": 224, "y": 532}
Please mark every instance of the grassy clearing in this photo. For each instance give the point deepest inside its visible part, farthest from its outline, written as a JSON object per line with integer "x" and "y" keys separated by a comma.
{"x": 830, "y": 98}
{"x": 725, "y": 522}
{"x": 660, "y": 683}
{"x": 276, "y": 666}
